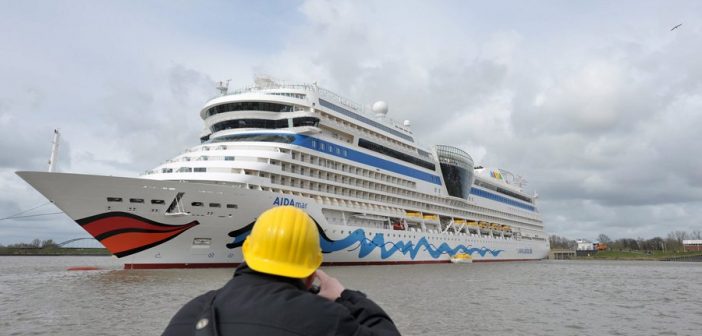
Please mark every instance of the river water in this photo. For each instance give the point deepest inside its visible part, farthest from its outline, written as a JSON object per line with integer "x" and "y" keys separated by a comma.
{"x": 38, "y": 296}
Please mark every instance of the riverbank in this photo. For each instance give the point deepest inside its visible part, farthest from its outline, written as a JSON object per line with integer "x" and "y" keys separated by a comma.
{"x": 53, "y": 251}
{"x": 639, "y": 255}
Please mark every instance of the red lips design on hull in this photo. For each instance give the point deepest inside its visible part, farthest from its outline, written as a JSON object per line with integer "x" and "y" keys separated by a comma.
{"x": 124, "y": 233}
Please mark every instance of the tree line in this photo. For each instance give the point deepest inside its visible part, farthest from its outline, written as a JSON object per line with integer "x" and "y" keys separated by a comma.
{"x": 36, "y": 243}
{"x": 672, "y": 242}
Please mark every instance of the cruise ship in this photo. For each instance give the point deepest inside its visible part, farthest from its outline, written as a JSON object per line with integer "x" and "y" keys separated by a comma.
{"x": 377, "y": 196}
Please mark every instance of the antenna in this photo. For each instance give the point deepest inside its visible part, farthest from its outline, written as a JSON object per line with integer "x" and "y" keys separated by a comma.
{"x": 223, "y": 87}
{"x": 54, "y": 150}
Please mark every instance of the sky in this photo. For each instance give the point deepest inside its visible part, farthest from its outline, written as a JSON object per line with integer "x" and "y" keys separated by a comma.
{"x": 596, "y": 103}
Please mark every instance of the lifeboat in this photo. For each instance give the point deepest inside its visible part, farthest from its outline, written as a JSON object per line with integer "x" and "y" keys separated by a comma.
{"x": 496, "y": 228}
{"x": 430, "y": 217}
{"x": 461, "y": 258}
{"x": 413, "y": 214}
{"x": 484, "y": 227}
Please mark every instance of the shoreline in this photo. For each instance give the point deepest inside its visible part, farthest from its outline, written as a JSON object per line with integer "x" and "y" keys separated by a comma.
{"x": 642, "y": 256}
{"x": 54, "y": 251}
{"x": 603, "y": 255}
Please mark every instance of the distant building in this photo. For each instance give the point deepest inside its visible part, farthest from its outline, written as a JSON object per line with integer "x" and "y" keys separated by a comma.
{"x": 585, "y": 245}
{"x": 585, "y": 248}
{"x": 600, "y": 246}
{"x": 692, "y": 245}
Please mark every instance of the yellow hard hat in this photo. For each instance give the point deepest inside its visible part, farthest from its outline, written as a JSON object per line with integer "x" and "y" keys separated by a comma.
{"x": 284, "y": 241}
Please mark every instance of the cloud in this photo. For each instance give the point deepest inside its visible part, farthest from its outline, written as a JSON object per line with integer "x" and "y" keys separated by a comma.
{"x": 597, "y": 119}
{"x": 597, "y": 106}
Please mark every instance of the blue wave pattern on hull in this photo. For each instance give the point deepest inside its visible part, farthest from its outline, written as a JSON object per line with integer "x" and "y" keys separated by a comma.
{"x": 387, "y": 249}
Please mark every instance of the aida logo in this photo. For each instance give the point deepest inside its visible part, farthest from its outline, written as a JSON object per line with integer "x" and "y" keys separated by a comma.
{"x": 496, "y": 174}
{"x": 289, "y": 201}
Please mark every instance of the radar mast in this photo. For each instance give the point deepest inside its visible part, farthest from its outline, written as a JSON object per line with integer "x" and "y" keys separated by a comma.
{"x": 223, "y": 87}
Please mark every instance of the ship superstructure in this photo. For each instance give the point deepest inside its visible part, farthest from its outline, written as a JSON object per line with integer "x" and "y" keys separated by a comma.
{"x": 376, "y": 195}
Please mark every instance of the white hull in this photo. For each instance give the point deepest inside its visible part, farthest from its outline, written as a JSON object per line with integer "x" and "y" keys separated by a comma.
{"x": 143, "y": 235}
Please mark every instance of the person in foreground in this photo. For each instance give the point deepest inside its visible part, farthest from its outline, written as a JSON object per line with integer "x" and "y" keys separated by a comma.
{"x": 271, "y": 292}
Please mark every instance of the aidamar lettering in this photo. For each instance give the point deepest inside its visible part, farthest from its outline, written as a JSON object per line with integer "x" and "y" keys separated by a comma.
{"x": 289, "y": 201}
{"x": 525, "y": 251}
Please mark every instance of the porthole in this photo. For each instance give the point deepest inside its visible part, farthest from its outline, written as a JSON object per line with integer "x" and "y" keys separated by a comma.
{"x": 136, "y": 200}
{"x": 198, "y": 204}
{"x": 114, "y": 199}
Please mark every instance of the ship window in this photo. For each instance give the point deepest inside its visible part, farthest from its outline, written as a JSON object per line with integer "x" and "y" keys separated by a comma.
{"x": 250, "y": 123}
{"x": 200, "y": 170}
{"x": 199, "y": 204}
{"x": 157, "y": 202}
{"x": 215, "y": 205}
{"x": 136, "y": 200}
{"x": 232, "y": 206}
{"x": 395, "y": 154}
{"x": 249, "y": 106}
{"x": 294, "y": 95}
{"x": 282, "y": 138}
{"x": 202, "y": 241}
{"x": 306, "y": 121}
{"x": 228, "y": 158}
{"x": 114, "y": 199}
{"x": 185, "y": 170}
{"x": 166, "y": 170}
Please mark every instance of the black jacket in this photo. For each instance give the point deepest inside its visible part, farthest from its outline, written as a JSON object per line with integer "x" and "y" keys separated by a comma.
{"x": 253, "y": 303}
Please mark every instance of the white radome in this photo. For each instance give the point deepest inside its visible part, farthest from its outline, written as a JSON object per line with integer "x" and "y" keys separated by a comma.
{"x": 380, "y": 108}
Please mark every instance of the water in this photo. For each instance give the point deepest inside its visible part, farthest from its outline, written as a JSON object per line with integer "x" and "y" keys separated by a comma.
{"x": 39, "y": 297}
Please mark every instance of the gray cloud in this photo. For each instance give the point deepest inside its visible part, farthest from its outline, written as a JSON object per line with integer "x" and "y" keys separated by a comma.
{"x": 597, "y": 106}
{"x": 602, "y": 125}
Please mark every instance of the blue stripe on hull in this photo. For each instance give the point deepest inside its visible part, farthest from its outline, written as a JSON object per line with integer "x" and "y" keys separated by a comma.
{"x": 501, "y": 199}
{"x": 356, "y": 156}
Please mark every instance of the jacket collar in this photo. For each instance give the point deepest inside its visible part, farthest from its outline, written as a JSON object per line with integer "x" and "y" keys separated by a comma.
{"x": 245, "y": 270}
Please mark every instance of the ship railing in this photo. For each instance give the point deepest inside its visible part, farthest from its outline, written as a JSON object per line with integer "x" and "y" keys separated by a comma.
{"x": 361, "y": 110}
{"x": 272, "y": 85}
{"x": 338, "y": 99}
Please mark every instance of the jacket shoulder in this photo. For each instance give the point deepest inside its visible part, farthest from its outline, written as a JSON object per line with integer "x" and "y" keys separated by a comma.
{"x": 188, "y": 315}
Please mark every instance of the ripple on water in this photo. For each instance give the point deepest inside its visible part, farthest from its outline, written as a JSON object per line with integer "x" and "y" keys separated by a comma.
{"x": 37, "y": 296}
